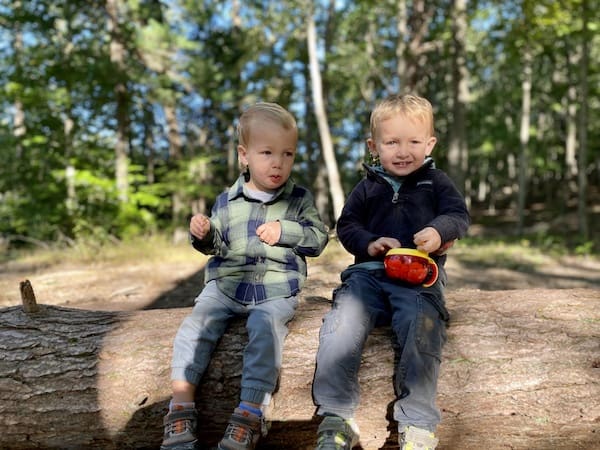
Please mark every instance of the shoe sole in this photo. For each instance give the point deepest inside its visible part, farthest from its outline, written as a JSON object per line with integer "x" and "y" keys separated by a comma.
{"x": 183, "y": 446}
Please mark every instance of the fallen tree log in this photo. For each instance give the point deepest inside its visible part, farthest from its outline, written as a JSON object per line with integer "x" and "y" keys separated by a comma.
{"x": 74, "y": 378}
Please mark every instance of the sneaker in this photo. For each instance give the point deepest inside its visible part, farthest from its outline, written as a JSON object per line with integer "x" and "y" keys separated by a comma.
{"x": 180, "y": 429}
{"x": 242, "y": 432}
{"x": 336, "y": 433}
{"x": 413, "y": 438}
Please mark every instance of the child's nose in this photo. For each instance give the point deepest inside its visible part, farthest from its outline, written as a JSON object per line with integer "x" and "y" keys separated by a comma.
{"x": 401, "y": 151}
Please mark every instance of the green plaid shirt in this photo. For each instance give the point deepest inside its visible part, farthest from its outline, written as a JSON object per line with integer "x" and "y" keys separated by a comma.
{"x": 248, "y": 270}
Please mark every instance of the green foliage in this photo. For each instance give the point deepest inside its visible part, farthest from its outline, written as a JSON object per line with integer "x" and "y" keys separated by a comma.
{"x": 513, "y": 255}
{"x": 516, "y": 252}
{"x": 191, "y": 67}
{"x": 585, "y": 249}
{"x": 134, "y": 221}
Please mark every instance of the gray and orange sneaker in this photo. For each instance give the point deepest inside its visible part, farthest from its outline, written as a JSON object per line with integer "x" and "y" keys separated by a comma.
{"x": 337, "y": 433}
{"x": 243, "y": 431}
{"x": 180, "y": 429}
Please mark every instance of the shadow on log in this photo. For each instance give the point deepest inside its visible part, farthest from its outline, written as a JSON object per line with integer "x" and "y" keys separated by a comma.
{"x": 90, "y": 379}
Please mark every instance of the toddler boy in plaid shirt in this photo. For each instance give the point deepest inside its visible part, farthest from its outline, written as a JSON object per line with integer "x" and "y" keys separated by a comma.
{"x": 259, "y": 233}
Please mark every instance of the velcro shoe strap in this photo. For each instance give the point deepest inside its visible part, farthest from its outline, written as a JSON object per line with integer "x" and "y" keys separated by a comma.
{"x": 423, "y": 438}
{"x": 252, "y": 423}
{"x": 340, "y": 426}
{"x": 184, "y": 414}
{"x": 335, "y": 427}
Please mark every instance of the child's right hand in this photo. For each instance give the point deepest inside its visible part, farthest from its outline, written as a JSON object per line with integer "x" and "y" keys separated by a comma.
{"x": 382, "y": 245}
{"x": 199, "y": 226}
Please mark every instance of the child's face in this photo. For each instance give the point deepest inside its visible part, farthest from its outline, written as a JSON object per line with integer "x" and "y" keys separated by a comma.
{"x": 402, "y": 144}
{"x": 269, "y": 155}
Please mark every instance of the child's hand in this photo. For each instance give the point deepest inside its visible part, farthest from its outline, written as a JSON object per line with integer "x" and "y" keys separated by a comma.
{"x": 269, "y": 232}
{"x": 427, "y": 240}
{"x": 199, "y": 226}
{"x": 382, "y": 245}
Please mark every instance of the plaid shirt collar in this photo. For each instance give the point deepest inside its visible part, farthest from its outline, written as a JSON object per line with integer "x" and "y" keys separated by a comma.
{"x": 238, "y": 190}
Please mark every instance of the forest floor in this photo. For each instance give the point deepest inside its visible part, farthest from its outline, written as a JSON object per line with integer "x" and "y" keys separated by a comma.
{"x": 171, "y": 276}
{"x": 522, "y": 365}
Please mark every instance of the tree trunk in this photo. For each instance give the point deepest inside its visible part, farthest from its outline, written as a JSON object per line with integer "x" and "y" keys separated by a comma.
{"x": 583, "y": 124}
{"x": 100, "y": 380}
{"x": 335, "y": 184}
{"x": 19, "y": 126}
{"x": 412, "y": 45}
{"x": 524, "y": 138}
{"x": 117, "y": 57}
{"x": 457, "y": 147}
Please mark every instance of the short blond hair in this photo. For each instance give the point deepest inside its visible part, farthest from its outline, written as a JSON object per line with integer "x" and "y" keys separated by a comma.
{"x": 264, "y": 111}
{"x": 411, "y": 106}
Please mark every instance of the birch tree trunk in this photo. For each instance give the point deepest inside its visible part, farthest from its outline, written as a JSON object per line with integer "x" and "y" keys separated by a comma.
{"x": 524, "y": 137}
{"x": 335, "y": 184}
{"x": 19, "y": 127}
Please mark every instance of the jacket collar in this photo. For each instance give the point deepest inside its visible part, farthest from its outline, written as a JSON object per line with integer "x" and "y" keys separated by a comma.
{"x": 377, "y": 172}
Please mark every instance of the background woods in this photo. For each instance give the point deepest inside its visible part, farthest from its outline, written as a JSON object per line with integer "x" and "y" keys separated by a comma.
{"x": 118, "y": 117}
{"x": 117, "y": 123}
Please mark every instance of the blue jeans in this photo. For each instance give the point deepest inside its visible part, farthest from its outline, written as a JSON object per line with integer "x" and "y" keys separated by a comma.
{"x": 368, "y": 299}
{"x": 200, "y": 332}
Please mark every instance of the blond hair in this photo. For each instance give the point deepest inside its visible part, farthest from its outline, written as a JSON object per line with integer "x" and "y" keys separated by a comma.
{"x": 411, "y": 106}
{"x": 263, "y": 111}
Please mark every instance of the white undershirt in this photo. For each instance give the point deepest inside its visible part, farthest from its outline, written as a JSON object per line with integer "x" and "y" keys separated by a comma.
{"x": 260, "y": 195}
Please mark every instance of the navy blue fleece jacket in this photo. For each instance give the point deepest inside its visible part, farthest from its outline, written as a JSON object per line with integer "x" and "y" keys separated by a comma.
{"x": 425, "y": 198}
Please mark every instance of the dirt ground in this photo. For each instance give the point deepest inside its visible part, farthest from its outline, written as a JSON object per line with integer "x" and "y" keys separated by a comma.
{"x": 172, "y": 283}
{"x": 545, "y": 315}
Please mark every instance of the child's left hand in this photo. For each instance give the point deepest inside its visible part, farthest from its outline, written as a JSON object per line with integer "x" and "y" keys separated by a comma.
{"x": 427, "y": 240}
{"x": 269, "y": 232}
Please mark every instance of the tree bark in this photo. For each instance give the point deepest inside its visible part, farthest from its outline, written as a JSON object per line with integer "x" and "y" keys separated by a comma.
{"x": 582, "y": 206}
{"x": 117, "y": 57}
{"x": 526, "y": 85}
{"x": 457, "y": 146}
{"x": 19, "y": 124}
{"x": 75, "y": 379}
{"x": 335, "y": 184}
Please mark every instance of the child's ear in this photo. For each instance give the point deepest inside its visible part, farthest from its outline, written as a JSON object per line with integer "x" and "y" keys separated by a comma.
{"x": 372, "y": 156}
{"x": 242, "y": 159}
{"x": 430, "y": 144}
{"x": 242, "y": 155}
{"x": 372, "y": 147}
